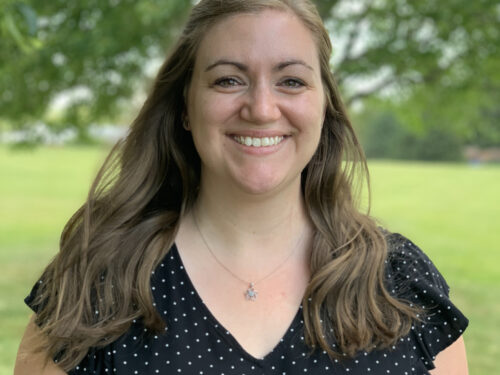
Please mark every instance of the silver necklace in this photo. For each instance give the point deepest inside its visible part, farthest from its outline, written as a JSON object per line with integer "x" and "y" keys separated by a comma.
{"x": 250, "y": 293}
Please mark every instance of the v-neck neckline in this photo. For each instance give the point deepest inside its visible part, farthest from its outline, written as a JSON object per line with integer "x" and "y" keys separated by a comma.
{"x": 219, "y": 328}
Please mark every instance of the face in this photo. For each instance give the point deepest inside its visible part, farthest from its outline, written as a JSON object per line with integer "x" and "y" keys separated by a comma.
{"x": 256, "y": 102}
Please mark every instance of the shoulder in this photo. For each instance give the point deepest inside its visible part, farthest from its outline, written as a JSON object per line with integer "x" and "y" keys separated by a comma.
{"x": 408, "y": 267}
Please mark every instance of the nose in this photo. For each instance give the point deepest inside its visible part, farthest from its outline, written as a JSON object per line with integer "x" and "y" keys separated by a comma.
{"x": 261, "y": 105}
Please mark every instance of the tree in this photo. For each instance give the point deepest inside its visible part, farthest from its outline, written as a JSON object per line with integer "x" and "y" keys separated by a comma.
{"x": 400, "y": 43}
{"x": 99, "y": 50}
{"x": 435, "y": 64}
{"x": 385, "y": 133}
{"x": 95, "y": 51}
{"x": 433, "y": 124}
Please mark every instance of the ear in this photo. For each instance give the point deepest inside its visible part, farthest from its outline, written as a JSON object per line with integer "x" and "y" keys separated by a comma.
{"x": 185, "y": 122}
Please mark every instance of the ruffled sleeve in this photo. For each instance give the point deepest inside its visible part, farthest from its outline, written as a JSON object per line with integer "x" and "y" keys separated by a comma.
{"x": 413, "y": 277}
{"x": 30, "y": 299}
{"x": 97, "y": 361}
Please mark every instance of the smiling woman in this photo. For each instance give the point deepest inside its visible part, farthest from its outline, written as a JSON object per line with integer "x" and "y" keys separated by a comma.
{"x": 222, "y": 235}
{"x": 248, "y": 89}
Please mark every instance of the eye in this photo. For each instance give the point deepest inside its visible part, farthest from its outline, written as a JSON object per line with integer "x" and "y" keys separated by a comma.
{"x": 227, "y": 82}
{"x": 292, "y": 83}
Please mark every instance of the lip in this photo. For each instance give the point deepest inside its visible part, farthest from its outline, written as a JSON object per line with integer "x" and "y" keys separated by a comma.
{"x": 259, "y": 150}
{"x": 259, "y": 134}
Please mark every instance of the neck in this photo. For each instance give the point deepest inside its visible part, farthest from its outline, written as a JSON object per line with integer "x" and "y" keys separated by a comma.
{"x": 243, "y": 224}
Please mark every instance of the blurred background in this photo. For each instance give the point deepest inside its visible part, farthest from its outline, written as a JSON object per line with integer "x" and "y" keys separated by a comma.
{"x": 421, "y": 80}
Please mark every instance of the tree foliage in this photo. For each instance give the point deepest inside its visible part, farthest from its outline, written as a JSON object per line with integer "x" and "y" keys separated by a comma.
{"x": 399, "y": 43}
{"x": 98, "y": 51}
{"x": 435, "y": 64}
{"x": 384, "y": 133}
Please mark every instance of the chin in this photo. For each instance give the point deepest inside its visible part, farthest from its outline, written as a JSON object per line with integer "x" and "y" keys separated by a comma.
{"x": 264, "y": 186}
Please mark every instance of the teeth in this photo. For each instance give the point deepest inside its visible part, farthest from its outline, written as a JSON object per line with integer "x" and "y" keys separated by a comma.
{"x": 258, "y": 142}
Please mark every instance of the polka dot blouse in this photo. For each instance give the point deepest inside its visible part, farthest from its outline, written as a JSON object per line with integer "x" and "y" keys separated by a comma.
{"x": 196, "y": 343}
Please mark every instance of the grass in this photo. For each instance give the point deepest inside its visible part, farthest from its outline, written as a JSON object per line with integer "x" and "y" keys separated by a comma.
{"x": 452, "y": 212}
{"x": 449, "y": 210}
{"x": 39, "y": 191}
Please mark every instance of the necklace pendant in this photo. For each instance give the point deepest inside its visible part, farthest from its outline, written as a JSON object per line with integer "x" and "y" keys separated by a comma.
{"x": 251, "y": 293}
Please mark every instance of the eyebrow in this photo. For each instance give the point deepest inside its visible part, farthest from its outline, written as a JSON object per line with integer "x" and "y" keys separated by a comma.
{"x": 244, "y": 68}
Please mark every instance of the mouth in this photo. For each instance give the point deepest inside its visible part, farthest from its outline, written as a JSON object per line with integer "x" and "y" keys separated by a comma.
{"x": 258, "y": 141}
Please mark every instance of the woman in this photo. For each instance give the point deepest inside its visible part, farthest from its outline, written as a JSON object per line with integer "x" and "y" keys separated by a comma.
{"x": 221, "y": 236}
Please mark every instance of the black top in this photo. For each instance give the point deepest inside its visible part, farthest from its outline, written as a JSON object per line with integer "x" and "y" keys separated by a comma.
{"x": 196, "y": 343}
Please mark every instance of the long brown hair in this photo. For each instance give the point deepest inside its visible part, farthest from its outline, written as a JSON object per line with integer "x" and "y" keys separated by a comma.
{"x": 100, "y": 280}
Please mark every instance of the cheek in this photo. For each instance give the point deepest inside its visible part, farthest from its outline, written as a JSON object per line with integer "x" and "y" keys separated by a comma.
{"x": 306, "y": 113}
{"x": 211, "y": 112}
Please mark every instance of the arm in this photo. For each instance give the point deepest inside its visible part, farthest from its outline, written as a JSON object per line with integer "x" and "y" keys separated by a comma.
{"x": 452, "y": 360}
{"x": 27, "y": 362}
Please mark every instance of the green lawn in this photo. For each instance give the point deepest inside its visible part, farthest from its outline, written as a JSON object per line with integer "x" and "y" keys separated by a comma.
{"x": 449, "y": 210}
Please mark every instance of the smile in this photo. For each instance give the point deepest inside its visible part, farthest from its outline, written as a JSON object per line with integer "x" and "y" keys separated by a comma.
{"x": 258, "y": 142}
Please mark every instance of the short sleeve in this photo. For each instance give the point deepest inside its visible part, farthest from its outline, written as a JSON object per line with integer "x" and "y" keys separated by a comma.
{"x": 97, "y": 361}
{"x": 412, "y": 277}
{"x": 30, "y": 299}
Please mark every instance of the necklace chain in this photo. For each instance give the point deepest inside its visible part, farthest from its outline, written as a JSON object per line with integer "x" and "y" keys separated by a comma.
{"x": 250, "y": 293}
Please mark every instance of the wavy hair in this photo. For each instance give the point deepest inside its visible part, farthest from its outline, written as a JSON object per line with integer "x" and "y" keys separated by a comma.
{"x": 99, "y": 282}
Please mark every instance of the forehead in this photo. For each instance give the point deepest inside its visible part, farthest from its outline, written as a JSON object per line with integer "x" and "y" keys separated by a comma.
{"x": 257, "y": 38}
